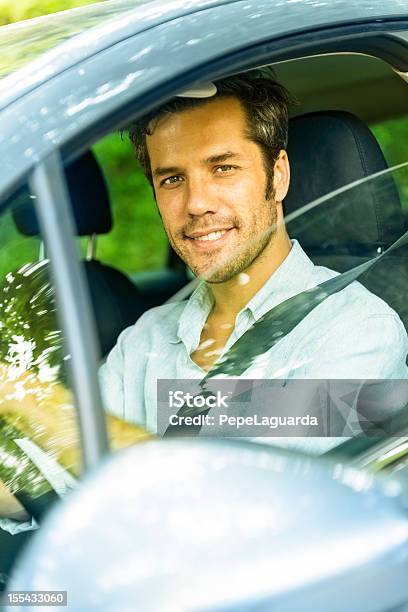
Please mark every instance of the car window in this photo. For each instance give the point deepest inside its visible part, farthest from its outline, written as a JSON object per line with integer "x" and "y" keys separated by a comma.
{"x": 39, "y": 434}
{"x": 382, "y": 270}
{"x": 38, "y": 427}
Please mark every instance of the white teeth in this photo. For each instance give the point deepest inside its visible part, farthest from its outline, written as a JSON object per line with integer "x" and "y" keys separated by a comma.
{"x": 212, "y": 236}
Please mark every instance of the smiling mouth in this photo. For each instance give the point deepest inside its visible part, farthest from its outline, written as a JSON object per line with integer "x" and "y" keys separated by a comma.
{"x": 204, "y": 239}
{"x": 210, "y": 237}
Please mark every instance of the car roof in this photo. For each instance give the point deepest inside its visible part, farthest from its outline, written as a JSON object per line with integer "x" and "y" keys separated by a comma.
{"x": 24, "y": 41}
{"x": 74, "y": 35}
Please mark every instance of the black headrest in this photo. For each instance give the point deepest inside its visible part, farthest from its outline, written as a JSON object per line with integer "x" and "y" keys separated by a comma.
{"x": 328, "y": 150}
{"x": 89, "y": 197}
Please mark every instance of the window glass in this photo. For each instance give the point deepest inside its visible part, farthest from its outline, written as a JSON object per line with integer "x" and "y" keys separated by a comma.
{"x": 350, "y": 225}
{"x": 369, "y": 337}
{"x": 392, "y": 135}
{"x": 38, "y": 428}
{"x": 137, "y": 241}
{"x": 39, "y": 435}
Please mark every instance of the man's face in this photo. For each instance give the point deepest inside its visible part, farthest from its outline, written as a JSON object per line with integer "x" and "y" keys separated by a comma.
{"x": 210, "y": 184}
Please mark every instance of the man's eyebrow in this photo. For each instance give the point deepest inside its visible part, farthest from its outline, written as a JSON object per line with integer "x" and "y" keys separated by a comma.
{"x": 213, "y": 159}
{"x": 162, "y": 170}
{"x": 218, "y": 159}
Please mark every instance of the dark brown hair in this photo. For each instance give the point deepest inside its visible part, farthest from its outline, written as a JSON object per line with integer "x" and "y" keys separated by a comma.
{"x": 264, "y": 100}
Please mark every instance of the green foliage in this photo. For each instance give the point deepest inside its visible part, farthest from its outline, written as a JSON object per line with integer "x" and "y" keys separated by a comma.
{"x": 30, "y": 338}
{"x": 21, "y": 45}
{"x": 393, "y": 138}
{"x": 12, "y": 10}
{"x": 16, "y": 249}
{"x": 137, "y": 241}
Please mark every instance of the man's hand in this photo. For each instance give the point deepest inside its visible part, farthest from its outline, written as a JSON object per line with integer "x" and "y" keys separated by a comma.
{"x": 9, "y": 506}
{"x": 43, "y": 411}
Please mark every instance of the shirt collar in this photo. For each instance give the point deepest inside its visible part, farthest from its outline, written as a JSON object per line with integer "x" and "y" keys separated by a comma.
{"x": 292, "y": 277}
{"x": 194, "y": 316}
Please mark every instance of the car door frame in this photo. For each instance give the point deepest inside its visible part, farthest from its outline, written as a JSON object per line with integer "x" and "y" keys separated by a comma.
{"x": 44, "y": 164}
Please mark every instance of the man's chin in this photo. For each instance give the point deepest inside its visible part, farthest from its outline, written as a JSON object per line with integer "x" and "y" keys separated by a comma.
{"x": 221, "y": 275}
{"x": 209, "y": 273}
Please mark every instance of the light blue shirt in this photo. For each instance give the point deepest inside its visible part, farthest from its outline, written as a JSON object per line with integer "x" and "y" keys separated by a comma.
{"x": 351, "y": 335}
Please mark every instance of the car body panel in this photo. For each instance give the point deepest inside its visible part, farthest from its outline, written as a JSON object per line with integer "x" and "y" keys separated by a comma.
{"x": 283, "y": 17}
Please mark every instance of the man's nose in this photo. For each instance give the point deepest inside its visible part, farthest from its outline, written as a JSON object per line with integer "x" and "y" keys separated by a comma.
{"x": 200, "y": 198}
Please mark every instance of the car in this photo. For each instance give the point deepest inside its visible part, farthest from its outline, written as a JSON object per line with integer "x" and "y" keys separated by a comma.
{"x": 193, "y": 523}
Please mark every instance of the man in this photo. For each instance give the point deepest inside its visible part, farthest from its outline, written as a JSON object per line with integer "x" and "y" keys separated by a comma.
{"x": 220, "y": 173}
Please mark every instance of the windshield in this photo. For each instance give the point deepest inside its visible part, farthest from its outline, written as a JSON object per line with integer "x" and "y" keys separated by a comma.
{"x": 22, "y": 42}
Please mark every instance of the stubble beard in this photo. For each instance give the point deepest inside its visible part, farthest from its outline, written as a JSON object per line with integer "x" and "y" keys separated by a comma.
{"x": 223, "y": 271}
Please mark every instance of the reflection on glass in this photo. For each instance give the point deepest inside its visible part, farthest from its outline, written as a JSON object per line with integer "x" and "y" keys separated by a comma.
{"x": 26, "y": 41}
{"x": 39, "y": 439}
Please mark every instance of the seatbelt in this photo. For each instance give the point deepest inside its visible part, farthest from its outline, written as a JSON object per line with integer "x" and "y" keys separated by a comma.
{"x": 273, "y": 326}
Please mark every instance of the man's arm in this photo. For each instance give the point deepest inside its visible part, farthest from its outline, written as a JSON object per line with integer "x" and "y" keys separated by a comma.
{"x": 122, "y": 376}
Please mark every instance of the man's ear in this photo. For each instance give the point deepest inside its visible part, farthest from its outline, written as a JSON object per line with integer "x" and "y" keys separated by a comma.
{"x": 281, "y": 176}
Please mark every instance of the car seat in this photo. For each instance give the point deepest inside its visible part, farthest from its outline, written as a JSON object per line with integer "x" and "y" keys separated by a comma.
{"x": 327, "y": 151}
{"x": 116, "y": 301}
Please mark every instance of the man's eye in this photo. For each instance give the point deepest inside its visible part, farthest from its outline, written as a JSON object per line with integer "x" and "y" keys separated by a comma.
{"x": 171, "y": 180}
{"x": 224, "y": 168}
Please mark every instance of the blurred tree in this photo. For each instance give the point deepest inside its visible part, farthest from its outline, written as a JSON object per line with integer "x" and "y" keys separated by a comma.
{"x": 11, "y": 11}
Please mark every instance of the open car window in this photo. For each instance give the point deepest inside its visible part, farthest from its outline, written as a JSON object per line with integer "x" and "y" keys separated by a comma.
{"x": 39, "y": 430}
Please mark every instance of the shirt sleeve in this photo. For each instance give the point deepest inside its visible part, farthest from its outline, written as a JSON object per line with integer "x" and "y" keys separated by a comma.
{"x": 111, "y": 377}
{"x": 122, "y": 376}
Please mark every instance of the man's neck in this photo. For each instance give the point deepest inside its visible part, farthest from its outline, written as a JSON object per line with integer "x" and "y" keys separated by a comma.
{"x": 231, "y": 296}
